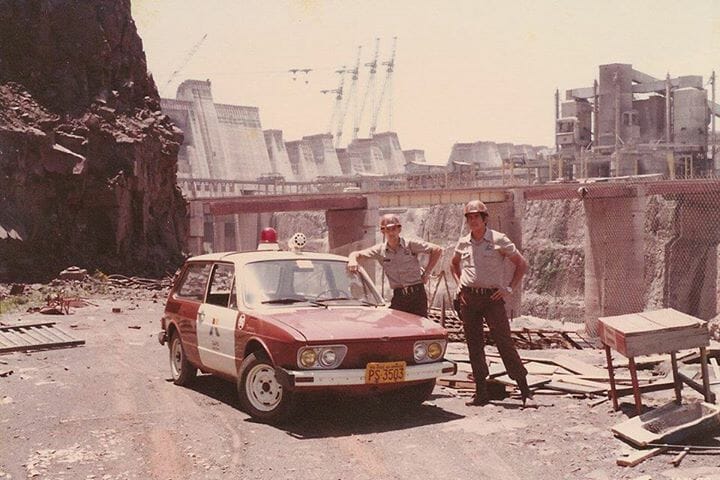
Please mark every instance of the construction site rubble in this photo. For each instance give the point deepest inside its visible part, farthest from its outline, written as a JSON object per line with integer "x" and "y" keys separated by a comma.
{"x": 664, "y": 427}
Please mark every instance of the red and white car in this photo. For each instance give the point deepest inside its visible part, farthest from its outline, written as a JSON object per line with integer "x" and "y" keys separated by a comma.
{"x": 280, "y": 323}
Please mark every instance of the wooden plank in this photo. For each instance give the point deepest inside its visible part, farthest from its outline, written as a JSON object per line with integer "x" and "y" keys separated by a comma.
{"x": 44, "y": 334}
{"x": 669, "y": 318}
{"x": 6, "y": 340}
{"x": 630, "y": 459}
{"x": 665, "y": 342}
{"x": 32, "y": 334}
{"x": 664, "y": 384}
{"x": 571, "y": 388}
{"x": 16, "y": 338}
{"x": 580, "y": 367}
{"x": 625, "y": 324}
{"x": 715, "y": 367}
{"x": 666, "y": 319}
{"x": 28, "y": 337}
{"x": 532, "y": 380}
{"x": 575, "y": 380}
{"x": 62, "y": 334}
{"x": 35, "y": 324}
{"x": 536, "y": 368}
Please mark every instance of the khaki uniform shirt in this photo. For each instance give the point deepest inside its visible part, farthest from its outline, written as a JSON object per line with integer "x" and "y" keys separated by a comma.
{"x": 481, "y": 261}
{"x": 401, "y": 266}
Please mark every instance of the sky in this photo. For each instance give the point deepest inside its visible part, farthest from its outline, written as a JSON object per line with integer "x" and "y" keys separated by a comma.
{"x": 464, "y": 71}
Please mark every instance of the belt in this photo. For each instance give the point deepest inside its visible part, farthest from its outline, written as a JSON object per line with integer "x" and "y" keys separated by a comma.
{"x": 479, "y": 290}
{"x": 409, "y": 289}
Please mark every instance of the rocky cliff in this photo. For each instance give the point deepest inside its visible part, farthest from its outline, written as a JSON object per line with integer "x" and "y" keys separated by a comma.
{"x": 87, "y": 159}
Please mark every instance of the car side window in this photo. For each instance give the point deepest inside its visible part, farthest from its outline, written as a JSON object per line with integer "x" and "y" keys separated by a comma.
{"x": 221, "y": 284}
{"x": 194, "y": 282}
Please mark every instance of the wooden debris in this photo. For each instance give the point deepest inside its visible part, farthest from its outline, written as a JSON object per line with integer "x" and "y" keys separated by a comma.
{"x": 670, "y": 423}
{"x": 679, "y": 457}
{"x": 630, "y": 459}
{"x": 716, "y": 369}
{"x": 662, "y": 383}
{"x": 35, "y": 336}
{"x": 532, "y": 380}
{"x": 594, "y": 387}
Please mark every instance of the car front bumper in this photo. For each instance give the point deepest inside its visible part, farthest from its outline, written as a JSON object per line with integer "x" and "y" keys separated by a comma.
{"x": 299, "y": 379}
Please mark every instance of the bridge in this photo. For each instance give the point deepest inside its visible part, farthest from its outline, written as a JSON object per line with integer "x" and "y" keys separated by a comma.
{"x": 615, "y": 231}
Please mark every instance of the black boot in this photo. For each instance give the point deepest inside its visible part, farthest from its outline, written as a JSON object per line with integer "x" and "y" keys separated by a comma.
{"x": 525, "y": 393}
{"x": 481, "y": 396}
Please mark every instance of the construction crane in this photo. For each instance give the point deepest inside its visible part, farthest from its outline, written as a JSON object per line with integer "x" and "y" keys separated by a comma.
{"x": 337, "y": 109}
{"x": 369, "y": 87}
{"x": 185, "y": 60}
{"x": 351, "y": 97}
{"x": 305, "y": 71}
{"x": 386, "y": 91}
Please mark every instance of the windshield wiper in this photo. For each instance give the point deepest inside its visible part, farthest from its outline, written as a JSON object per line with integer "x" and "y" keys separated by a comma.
{"x": 334, "y": 299}
{"x": 285, "y": 301}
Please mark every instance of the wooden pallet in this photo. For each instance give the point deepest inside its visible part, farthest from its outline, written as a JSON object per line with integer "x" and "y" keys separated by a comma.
{"x": 35, "y": 336}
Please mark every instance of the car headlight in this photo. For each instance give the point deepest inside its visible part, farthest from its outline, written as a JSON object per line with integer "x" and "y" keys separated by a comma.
{"x": 428, "y": 350}
{"x": 308, "y": 357}
{"x": 321, "y": 356}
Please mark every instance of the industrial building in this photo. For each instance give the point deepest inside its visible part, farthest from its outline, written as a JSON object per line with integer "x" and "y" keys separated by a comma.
{"x": 631, "y": 123}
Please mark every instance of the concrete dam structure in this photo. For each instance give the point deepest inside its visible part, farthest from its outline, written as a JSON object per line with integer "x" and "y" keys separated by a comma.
{"x": 227, "y": 142}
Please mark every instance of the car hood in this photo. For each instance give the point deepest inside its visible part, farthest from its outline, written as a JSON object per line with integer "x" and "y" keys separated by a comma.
{"x": 323, "y": 324}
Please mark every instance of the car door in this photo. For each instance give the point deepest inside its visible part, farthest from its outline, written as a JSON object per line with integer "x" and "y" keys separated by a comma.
{"x": 216, "y": 321}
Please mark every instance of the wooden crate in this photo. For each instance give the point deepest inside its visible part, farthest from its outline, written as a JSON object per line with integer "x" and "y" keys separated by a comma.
{"x": 659, "y": 331}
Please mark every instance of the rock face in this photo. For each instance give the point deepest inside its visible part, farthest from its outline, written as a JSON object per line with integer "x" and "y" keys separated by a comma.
{"x": 87, "y": 159}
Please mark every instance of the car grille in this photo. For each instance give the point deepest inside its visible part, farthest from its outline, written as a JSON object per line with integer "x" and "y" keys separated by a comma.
{"x": 381, "y": 351}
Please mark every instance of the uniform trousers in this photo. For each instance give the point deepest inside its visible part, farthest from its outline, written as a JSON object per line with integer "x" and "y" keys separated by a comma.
{"x": 476, "y": 307}
{"x": 412, "y": 299}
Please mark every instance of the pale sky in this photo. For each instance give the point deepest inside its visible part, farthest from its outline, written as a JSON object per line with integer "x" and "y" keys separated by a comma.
{"x": 464, "y": 70}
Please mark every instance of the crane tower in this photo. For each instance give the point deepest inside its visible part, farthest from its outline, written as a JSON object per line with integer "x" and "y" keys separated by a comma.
{"x": 385, "y": 92}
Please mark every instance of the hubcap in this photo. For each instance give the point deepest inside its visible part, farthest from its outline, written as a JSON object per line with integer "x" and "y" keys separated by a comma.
{"x": 262, "y": 388}
{"x": 176, "y": 359}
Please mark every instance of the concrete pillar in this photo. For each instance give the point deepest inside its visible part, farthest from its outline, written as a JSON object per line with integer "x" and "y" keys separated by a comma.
{"x": 691, "y": 256}
{"x": 350, "y": 230}
{"x": 196, "y": 227}
{"x": 506, "y": 217}
{"x": 247, "y": 233}
{"x": 614, "y": 257}
{"x": 218, "y": 234}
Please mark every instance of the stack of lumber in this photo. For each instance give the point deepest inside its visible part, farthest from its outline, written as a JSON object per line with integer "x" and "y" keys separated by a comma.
{"x": 561, "y": 372}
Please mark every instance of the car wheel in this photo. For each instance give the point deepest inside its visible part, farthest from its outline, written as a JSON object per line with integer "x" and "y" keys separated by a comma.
{"x": 183, "y": 372}
{"x": 261, "y": 395}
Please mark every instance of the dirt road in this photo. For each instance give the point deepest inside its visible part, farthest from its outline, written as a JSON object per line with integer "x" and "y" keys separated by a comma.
{"x": 106, "y": 410}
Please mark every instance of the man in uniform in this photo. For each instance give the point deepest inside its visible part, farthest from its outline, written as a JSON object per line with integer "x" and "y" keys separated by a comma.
{"x": 399, "y": 259}
{"x": 478, "y": 266}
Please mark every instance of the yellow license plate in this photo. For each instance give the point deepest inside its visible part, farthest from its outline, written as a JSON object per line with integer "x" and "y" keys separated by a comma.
{"x": 385, "y": 372}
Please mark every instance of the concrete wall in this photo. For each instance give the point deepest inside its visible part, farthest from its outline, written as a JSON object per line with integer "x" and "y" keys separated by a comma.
{"x": 246, "y": 156}
{"x": 614, "y": 257}
{"x": 221, "y": 141}
{"x": 393, "y": 156}
{"x": 324, "y": 154}
{"x": 277, "y": 154}
{"x": 691, "y": 257}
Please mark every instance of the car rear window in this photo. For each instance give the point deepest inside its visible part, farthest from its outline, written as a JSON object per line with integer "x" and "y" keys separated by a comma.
{"x": 222, "y": 290}
{"x": 193, "y": 284}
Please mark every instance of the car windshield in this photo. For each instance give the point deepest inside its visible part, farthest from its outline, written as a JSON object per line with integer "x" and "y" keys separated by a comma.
{"x": 293, "y": 281}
